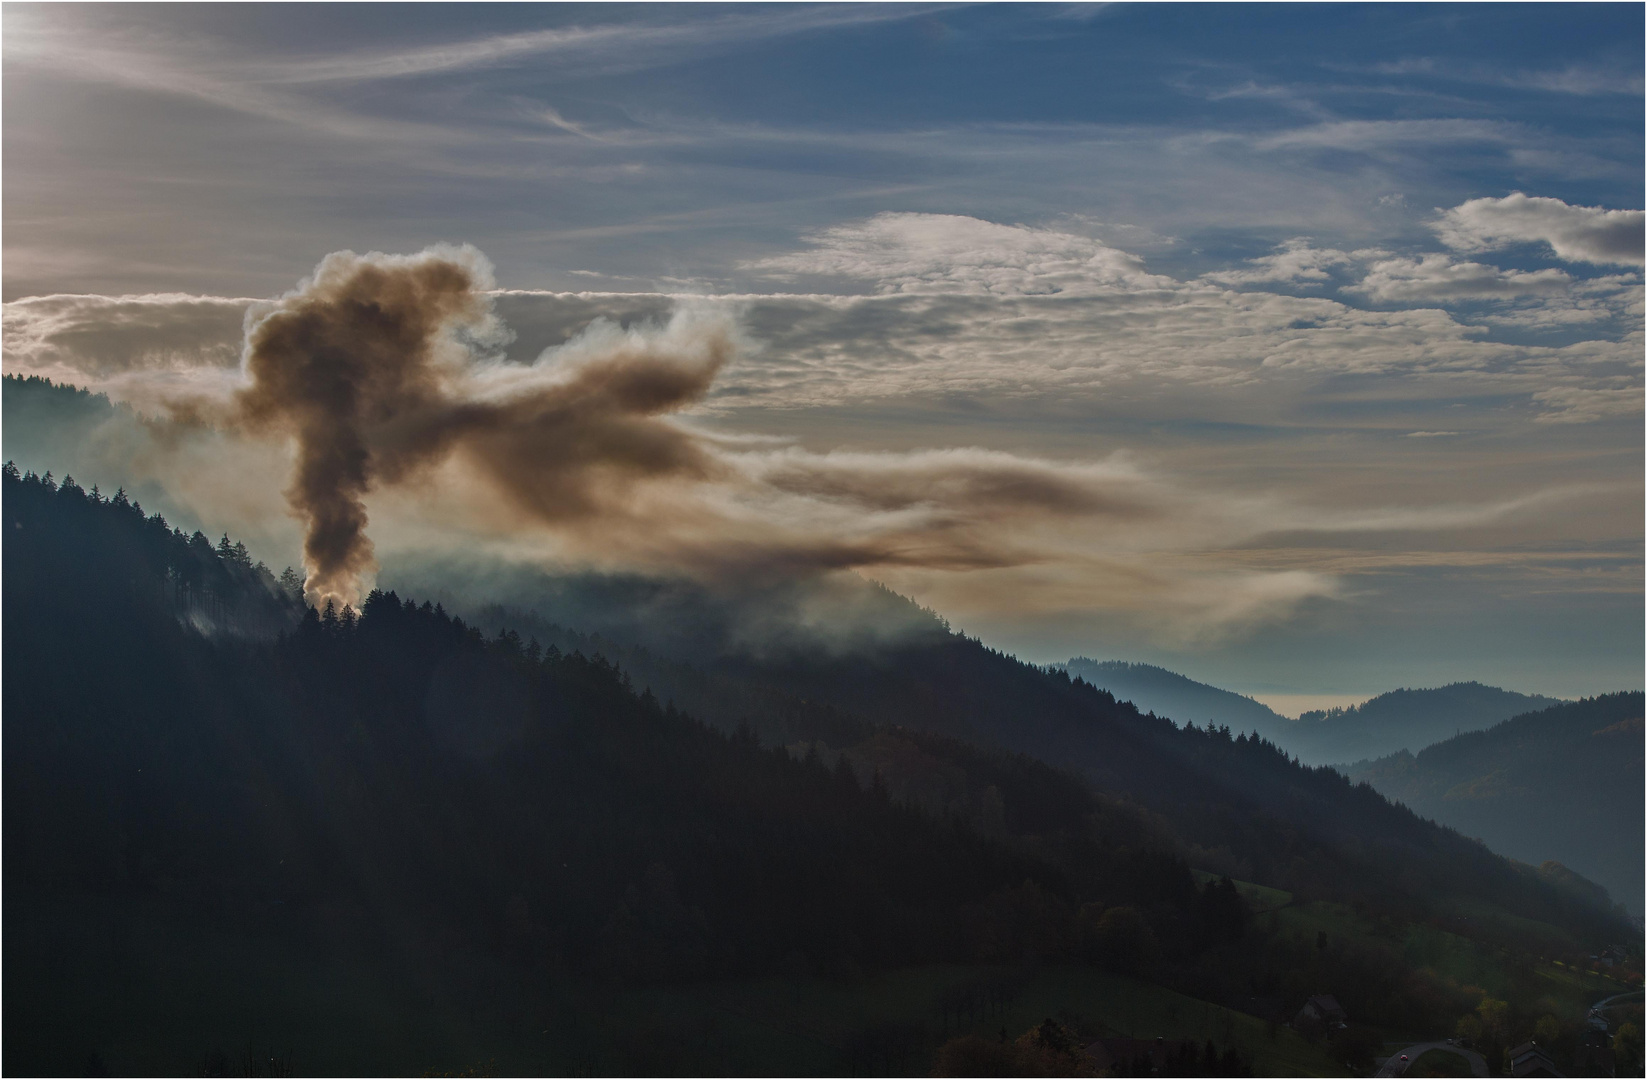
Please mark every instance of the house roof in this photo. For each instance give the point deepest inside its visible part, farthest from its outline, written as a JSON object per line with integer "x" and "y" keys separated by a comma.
{"x": 1528, "y": 1060}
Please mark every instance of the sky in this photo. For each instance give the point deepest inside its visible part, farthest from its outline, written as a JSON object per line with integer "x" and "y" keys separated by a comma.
{"x": 1295, "y": 348}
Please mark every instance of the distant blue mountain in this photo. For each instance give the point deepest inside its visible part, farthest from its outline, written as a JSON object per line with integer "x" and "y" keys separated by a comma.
{"x": 1405, "y": 720}
{"x": 1564, "y": 783}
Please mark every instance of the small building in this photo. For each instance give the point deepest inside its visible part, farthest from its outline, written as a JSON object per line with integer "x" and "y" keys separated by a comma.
{"x": 1321, "y": 1012}
{"x": 1528, "y": 1060}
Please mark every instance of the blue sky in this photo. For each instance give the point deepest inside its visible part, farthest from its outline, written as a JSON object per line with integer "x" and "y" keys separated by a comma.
{"x": 1366, "y": 267}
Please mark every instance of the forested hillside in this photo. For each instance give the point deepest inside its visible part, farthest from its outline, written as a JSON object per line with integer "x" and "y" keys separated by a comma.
{"x": 221, "y": 807}
{"x": 394, "y": 787}
{"x": 1237, "y": 803}
{"x": 1565, "y": 783}
{"x": 1240, "y": 804}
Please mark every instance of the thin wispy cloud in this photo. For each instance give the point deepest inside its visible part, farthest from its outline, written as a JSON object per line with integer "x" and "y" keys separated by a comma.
{"x": 219, "y": 86}
{"x": 1585, "y": 80}
{"x": 1372, "y": 135}
{"x": 613, "y": 47}
{"x": 188, "y": 67}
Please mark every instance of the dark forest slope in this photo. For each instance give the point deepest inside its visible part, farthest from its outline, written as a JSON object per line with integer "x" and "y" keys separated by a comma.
{"x": 395, "y": 789}
{"x": 209, "y": 792}
{"x": 1240, "y": 804}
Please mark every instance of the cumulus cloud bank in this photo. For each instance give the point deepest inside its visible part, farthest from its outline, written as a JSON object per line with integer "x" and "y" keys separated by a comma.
{"x": 1575, "y": 233}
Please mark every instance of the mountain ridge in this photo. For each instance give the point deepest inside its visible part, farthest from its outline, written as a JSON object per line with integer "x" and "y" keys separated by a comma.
{"x": 1169, "y": 693}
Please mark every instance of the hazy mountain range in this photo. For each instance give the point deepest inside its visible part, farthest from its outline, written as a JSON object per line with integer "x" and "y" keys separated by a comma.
{"x": 1406, "y": 720}
{"x": 1393, "y": 721}
{"x": 1564, "y": 782}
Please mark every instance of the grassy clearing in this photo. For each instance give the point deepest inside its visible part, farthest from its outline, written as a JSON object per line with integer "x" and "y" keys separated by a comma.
{"x": 1474, "y": 967}
{"x": 1260, "y": 898}
{"x": 1535, "y": 936}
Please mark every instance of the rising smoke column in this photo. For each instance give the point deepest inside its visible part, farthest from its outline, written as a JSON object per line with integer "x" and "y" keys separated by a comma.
{"x": 377, "y": 367}
{"x": 354, "y": 349}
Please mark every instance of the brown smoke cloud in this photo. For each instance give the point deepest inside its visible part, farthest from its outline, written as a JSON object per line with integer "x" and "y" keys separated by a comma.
{"x": 378, "y": 367}
{"x": 386, "y": 372}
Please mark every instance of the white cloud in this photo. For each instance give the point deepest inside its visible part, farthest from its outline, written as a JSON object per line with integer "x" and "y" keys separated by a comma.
{"x": 1575, "y": 233}
{"x": 1438, "y": 278}
{"x": 958, "y": 308}
{"x": 134, "y": 346}
{"x": 947, "y": 253}
{"x": 1582, "y": 404}
{"x": 1294, "y": 261}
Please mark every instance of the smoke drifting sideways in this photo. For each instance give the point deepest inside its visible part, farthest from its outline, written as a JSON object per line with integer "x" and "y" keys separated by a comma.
{"x": 388, "y": 375}
{"x": 388, "y": 380}
{"x": 379, "y": 367}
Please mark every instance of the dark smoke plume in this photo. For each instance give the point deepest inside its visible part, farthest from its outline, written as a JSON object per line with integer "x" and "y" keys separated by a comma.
{"x": 377, "y": 368}
{"x": 383, "y": 370}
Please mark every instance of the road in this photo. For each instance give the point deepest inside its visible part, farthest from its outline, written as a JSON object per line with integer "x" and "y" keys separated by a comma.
{"x": 1396, "y": 1067}
{"x": 1596, "y": 1011}
{"x": 1604, "y": 1002}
